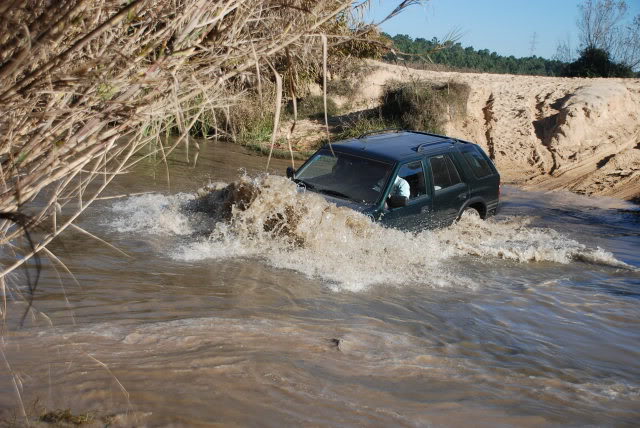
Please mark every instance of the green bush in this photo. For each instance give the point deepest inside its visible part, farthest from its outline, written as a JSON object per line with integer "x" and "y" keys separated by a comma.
{"x": 594, "y": 62}
{"x": 206, "y": 121}
{"x": 256, "y": 129}
{"x": 424, "y": 105}
{"x": 248, "y": 121}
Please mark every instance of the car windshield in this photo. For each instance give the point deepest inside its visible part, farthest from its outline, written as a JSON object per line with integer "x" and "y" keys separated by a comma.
{"x": 345, "y": 176}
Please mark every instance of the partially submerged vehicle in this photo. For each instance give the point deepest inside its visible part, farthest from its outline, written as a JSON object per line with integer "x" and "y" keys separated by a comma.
{"x": 404, "y": 179}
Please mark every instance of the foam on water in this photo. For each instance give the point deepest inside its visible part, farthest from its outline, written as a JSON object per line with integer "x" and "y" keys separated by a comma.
{"x": 158, "y": 215}
{"x": 152, "y": 213}
{"x": 269, "y": 218}
{"x": 515, "y": 239}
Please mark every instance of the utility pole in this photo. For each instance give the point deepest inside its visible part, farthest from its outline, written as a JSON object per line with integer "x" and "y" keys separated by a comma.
{"x": 533, "y": 44}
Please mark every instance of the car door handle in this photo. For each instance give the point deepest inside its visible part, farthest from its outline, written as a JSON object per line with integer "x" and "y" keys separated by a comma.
{"x": 462, "y": 196}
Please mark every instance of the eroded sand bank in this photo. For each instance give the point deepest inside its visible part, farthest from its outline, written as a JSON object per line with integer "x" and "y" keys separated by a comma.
{"x": 544, "y": 132}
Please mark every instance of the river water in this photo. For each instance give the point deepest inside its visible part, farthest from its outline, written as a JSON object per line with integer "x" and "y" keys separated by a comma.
{"x": 292, "y": 312}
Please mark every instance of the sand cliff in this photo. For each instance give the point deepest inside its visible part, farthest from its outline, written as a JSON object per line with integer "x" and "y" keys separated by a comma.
{"x": 543, "y": 132}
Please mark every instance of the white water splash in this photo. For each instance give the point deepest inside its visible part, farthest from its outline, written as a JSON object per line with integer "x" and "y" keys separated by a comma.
{"x": 515, "y": 239}
{"x": 268, "y": 218}
{"x": 158, "y": 215}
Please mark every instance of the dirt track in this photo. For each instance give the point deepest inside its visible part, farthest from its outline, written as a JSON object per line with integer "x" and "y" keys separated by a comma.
{"x": 544, "y": 132}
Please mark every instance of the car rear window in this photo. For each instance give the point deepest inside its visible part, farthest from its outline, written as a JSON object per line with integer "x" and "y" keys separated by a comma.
{"x": 478, "y": 163}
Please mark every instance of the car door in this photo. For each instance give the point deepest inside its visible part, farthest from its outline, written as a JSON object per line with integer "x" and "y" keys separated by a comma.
{"x": 449, "y": 191}
{"x": 416, "y": 213}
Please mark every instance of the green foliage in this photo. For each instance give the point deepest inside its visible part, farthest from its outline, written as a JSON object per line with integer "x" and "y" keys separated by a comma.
{"x": 206, "y": 121}
{"x": 423, "y": 105}
{"x": 106, "y": 91}
{"x": 594, "y": 62}
{"x": 255, "y": 129}
{"x": 312, "y": 107}
{"x": 246, "y": 121}
{"x": 455, "y": 56}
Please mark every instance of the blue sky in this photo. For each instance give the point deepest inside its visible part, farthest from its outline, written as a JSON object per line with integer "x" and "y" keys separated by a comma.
{"x": 504, "y": 26}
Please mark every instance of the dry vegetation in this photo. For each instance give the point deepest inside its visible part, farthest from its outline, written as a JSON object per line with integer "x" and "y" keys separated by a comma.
{"x": 86, "y": 84}
{"x": 424, "y": 105}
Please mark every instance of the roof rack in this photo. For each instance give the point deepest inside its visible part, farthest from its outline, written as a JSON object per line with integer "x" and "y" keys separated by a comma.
{"x": 431, "y": 134}
{"x": 381, "y": 131}
{"x": 453, "y": 140}
{"x": 422, "y": 147}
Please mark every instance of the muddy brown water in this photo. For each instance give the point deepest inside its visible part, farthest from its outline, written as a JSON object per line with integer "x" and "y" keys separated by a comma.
{"x": 529, "y": 319}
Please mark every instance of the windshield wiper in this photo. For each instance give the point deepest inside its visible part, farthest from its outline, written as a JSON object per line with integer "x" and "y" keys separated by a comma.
{"x": 330, "y": 192}
{"x": 334, "y": 193}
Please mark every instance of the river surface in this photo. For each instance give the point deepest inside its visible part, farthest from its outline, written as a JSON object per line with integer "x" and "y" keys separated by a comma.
{"x": 292, "y": 312}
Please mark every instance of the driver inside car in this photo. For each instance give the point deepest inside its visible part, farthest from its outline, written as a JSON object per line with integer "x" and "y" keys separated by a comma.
{"x": 400, "y": 188}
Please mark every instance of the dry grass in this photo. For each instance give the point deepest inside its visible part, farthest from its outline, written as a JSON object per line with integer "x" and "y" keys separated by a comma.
{"x": 60, "y": 416}
{"x": 84, "y": 85}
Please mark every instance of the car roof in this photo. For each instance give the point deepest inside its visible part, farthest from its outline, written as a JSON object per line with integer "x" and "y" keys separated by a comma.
{"x": 394, "y": 145}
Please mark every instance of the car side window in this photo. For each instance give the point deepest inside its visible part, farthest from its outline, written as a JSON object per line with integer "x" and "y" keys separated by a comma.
{"x": 410, "y": 181}
{"x": 478, "y": 164}
{"x": 445, "y": 173}
{"x": 413, "y": 172}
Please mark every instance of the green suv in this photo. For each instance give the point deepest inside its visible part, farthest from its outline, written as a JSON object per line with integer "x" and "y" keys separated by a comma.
{"x": 404, "y": 179}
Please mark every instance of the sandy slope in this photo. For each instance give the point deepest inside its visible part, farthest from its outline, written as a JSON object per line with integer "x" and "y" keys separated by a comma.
{"x": 544, "y": 132}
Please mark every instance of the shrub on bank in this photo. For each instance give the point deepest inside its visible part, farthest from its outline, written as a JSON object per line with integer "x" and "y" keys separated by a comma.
{"x": 312, "y": 107}
{"x": 424, "y": 105}
{"x": 361, "y": 125}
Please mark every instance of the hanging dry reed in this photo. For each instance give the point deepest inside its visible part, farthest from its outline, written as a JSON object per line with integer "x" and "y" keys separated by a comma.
{"x": 85, "y": 84}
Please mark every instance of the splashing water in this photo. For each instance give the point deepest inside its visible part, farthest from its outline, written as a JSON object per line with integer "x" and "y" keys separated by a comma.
{"x": 515, "y": 239}
{"x": 268, "y": 217}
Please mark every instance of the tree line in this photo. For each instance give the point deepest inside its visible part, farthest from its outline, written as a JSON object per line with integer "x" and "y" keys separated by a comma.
{"x": 453, "y": 55}
{"x": 609, "y": 47}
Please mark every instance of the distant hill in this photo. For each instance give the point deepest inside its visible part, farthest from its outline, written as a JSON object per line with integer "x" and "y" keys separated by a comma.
{"x": 458, "y": 57}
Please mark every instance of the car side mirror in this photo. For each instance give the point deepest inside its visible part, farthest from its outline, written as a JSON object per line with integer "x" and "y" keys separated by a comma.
{"x": 290, "y": 172}
{"x": 397, "y": 201}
